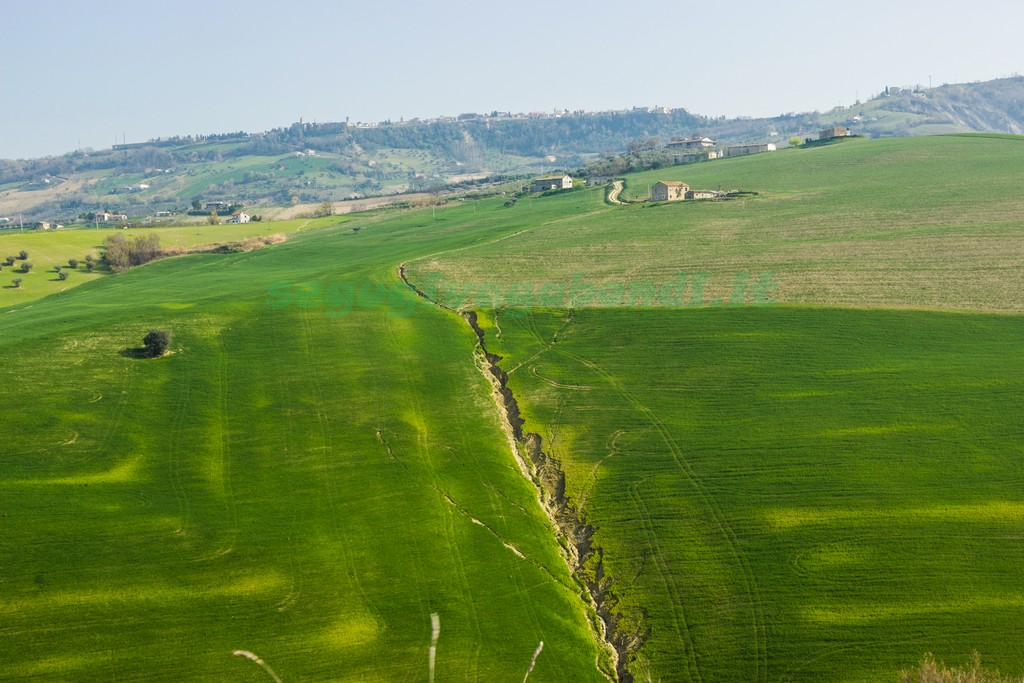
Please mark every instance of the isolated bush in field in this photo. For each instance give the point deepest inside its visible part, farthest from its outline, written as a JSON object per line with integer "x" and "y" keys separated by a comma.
{"x": 121, "y": 254}
{"x": 56, "y": 269}
{"x": 89, "y": 258}
{"x": 9, "y": 261}
{"x": 16, "y": 282}
{"x": 157, "y": 342}
{"x": 73, "y": 263}
{"x": 62, "y": 275}
{"x": 89, "y": 266}
{"x": 23, "y": 254}
{"x": 26, "y": 266}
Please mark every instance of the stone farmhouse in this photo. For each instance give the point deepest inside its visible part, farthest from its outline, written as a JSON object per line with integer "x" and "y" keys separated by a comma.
{"x": 668, "y": 191}
{"x": 552, "y": 183}
{"x": 674, "y": 191}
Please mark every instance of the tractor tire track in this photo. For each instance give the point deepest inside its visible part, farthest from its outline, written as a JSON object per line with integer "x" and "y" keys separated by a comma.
{"x": 750, "y": 582}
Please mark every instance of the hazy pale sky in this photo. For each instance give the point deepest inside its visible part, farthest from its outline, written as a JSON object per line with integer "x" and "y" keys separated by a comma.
{"x": 87, "y": 72}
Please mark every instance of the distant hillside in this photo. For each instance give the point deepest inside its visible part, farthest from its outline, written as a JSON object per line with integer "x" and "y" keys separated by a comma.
{"x": 347, "y": 161}
{"x": 993, "y": 106}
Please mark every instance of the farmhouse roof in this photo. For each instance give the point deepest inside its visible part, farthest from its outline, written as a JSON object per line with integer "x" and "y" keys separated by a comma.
{"x": 673, "y": 183}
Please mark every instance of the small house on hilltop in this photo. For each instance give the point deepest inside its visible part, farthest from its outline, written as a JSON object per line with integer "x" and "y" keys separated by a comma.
{"x": 553, "y": 183}
{"x": 239, "y": 217}
{"x": 668, "y": 191}
{"x": 834, "y": 132}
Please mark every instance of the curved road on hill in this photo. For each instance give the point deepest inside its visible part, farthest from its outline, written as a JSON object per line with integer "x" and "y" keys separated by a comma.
{"x": 613, "y": 196}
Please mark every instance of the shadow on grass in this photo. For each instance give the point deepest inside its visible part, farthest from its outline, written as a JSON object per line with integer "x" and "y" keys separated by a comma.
{"x": 140, "y": 353}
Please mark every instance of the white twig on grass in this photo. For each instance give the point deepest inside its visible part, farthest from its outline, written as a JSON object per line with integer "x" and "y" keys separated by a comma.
{"x": 533, "y": 661}
{"x": 435, "y": 633}
{"x": 253, "y": 658}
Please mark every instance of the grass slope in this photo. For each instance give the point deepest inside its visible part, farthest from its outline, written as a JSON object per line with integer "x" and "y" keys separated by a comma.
{"x": 790, "y": 494}
{"x": 49, "y": 249}
{"x": 783, "y": 493}
{"x": 307, "y": 476}
{"x": 920, "y": 222}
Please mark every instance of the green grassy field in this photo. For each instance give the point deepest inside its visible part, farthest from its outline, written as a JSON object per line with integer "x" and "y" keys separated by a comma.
{"x": 919, "y": 222}
{"x": 303, "y": 478}
{"x": 783, "y": 488}
{"x": 49, "y": 249}
{"x": 790, "y": 494}
{"x": 801, "y": 492}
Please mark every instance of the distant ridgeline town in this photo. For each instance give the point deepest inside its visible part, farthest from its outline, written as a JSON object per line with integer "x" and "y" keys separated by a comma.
{"x": 308, "y": 163}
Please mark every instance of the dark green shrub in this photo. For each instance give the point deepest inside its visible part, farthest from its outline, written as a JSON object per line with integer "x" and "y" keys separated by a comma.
{"x": 156, "y": 343}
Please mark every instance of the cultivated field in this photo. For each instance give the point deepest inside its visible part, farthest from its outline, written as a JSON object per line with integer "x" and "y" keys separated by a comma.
{"x": 824, "y": 489}
{"x": 919, "y": 222}
{"x": 301, "y": 477}
{"x": 790, "y": 494}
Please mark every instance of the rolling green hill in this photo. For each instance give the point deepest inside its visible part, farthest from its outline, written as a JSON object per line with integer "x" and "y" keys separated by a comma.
{"x": 292, "y": 480}
{"x": 819, "y": 487}
{"x": 921, "y": 222}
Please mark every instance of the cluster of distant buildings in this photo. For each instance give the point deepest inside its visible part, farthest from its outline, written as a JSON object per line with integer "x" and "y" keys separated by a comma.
{"x": 705, "y": 149}
{"x": 221, "y": 206}
{"x": 507, "y": 116}
{"x": 138, "y": 187}
{"x": 109, "y": 217}
{"x": 686, "y": 151}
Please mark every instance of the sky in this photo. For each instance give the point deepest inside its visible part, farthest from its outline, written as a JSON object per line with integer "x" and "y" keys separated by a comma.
{"x": 89, "y": 73}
